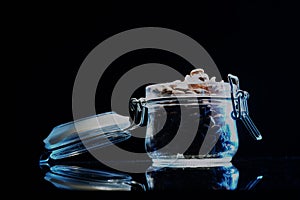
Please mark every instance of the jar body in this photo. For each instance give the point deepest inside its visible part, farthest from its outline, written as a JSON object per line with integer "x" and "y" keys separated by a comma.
{"x": 207, "y": 132}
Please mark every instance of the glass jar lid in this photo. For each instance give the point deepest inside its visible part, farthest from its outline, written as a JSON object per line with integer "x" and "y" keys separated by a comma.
{"x": 100, "y": 130}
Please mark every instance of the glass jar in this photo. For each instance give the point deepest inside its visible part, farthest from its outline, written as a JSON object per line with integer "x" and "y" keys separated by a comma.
{"x": 193, "y": 129}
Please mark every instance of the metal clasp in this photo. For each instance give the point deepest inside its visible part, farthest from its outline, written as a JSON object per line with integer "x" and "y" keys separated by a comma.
{"x": 240, "y": 107}
{"x": 137, "y": 107}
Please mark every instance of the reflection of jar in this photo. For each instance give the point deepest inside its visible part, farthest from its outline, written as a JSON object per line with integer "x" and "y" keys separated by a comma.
{"x": 193, "y": 129}
{"x": 203, "y": 178}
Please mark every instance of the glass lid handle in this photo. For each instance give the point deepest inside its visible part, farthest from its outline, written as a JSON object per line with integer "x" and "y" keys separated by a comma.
{"x": 240, "y": 107}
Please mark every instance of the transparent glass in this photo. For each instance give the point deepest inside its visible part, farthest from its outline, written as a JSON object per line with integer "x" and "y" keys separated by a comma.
{"x": 77, "y": 137}
{"x": 208, "y": 133}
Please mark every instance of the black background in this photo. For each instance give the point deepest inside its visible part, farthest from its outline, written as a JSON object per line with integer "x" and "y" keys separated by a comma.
{"x": 257, "y": 41}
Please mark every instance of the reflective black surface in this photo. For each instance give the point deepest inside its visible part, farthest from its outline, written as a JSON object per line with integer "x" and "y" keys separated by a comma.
{"x": 253, "y": 174}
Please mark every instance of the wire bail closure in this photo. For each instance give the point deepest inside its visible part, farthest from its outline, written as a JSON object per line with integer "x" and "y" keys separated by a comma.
{"x": 139, "y": 110}
{"x": 240, "y": 107}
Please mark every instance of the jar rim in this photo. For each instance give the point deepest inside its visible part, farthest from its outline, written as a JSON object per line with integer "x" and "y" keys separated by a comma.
{"x": 169, "y": 101}
{"x": 184, "y": 90}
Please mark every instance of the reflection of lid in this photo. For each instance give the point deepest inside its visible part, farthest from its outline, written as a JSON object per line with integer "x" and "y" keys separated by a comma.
{"x": 66, "y": 140}
{"x": 79, "y": 178}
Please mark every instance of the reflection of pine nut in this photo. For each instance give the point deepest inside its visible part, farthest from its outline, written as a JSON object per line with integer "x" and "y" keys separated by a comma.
{"x": 198, "y": 86}
{"x": 181, "y": 87}
{"x": 166, "y": 91}
{"x": 219, "y": 115}
{"x": 190, "y": 92}
{"x": 178, "y": 92}
{"x": 201, "y": 91}
{"x": 212, "y": 120}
